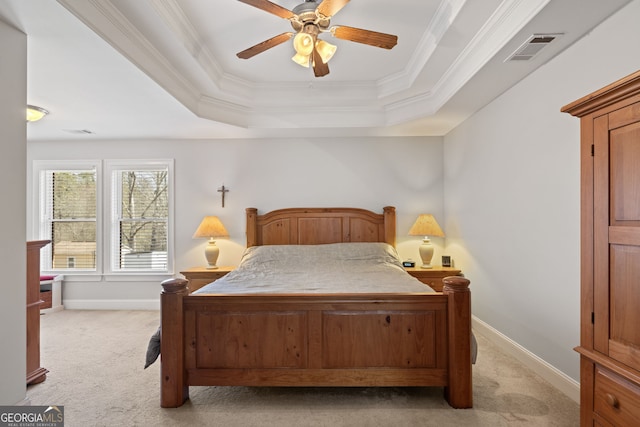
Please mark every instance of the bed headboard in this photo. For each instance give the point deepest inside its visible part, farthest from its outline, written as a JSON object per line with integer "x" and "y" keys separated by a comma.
{"x": 312, "y": 226}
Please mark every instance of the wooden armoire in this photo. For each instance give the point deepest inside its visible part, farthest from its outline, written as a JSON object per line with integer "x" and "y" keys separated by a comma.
{"x": 610, "y": 254}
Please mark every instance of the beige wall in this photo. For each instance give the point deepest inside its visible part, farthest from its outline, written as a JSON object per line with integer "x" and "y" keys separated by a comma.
{"x": 13, "y": 87}
{"x": 512, "y": 194}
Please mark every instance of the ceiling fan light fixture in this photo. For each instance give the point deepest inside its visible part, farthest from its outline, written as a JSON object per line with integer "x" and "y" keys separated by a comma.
{"x": 35, "y": 113}
{"x": 302, "y": 60}
{"x": 326, "y": 50}
{"x": 303, "y": 43}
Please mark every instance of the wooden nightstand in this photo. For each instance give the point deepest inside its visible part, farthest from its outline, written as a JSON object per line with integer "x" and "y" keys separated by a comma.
{"x": 200, "y": 276}
{"x": 432, "y": 276}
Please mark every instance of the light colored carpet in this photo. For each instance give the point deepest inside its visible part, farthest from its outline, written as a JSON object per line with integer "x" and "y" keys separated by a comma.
{"x": 96, "y": 361}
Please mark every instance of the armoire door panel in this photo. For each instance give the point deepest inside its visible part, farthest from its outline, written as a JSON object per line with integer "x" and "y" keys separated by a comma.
{"x": 625, "y": 116}
{"x": 624, "y": 344}
{"x": 625, "y": 175}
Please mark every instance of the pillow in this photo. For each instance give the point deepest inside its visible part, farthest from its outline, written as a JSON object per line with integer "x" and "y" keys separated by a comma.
{"x": 294, "y": 256}
{"x": 153, "y": 349}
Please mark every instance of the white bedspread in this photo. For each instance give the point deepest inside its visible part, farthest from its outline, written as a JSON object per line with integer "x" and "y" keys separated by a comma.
{"x": 330, "y": 268}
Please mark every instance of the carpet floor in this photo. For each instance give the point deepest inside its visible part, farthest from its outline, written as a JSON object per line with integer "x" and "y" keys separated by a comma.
{"x": 96, "y": 361}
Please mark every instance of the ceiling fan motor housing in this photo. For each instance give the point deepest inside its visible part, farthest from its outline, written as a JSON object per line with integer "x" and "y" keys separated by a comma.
{"x": 306, "y": 14}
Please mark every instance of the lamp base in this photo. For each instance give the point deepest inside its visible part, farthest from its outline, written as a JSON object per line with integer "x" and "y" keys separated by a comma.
{"x": 211, "y": 253}
{"x": 426, "y": 253}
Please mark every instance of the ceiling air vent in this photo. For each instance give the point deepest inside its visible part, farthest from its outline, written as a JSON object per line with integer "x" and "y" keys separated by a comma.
{"x": 532, "y": 46}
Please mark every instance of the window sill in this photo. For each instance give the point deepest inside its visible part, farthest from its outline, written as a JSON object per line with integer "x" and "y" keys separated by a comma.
{"x": 119, "y": 277}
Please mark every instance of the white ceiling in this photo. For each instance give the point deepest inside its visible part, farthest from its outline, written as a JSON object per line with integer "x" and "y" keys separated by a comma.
{"x": 168, "y": 68}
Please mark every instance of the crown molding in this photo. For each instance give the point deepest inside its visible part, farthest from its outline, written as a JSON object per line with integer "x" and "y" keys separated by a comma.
{"x": 226, "y": 98}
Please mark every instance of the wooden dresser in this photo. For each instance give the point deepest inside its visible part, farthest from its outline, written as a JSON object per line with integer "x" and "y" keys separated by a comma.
{"x": 35, "y": 373}
{"x": 432, "y": 276}
{"x": 610, "y": 254}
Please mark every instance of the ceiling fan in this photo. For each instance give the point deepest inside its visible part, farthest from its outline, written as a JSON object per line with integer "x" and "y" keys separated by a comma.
{"x": 309, "y": 20}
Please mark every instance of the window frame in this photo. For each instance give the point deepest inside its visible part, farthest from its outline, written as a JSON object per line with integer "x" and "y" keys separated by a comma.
{"x": 104, "y": 226}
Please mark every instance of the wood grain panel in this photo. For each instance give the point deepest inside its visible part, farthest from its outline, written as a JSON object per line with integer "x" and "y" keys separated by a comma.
{"x": 625, "y": 174}
{"x": 251, "y": 340}
{"x": 624, "y": 303}
{"x": 316, "y": 231}
{"x": 364, "y": 231}
{"x": 625, "y": 116}
{"x": 279, "y": 232}
{"x": 391, "y": 339}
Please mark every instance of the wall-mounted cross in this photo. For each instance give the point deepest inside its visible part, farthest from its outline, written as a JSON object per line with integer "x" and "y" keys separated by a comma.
{"x": 223, "y": 190}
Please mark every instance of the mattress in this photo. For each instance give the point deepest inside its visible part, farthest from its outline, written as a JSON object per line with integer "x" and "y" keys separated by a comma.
{"x": 328, "y": 268}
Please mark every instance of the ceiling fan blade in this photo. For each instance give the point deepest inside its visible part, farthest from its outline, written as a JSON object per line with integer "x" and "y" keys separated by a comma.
{"x": 329, "y": 8}
{"x": 372, "y": 38}
{"x": 267, "y": 44}
{"x": 267, "y": 6}
{"x": 319, "y": 68}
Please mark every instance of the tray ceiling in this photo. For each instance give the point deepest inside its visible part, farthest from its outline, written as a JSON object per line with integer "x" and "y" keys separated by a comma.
{"x": 168, "y": 68}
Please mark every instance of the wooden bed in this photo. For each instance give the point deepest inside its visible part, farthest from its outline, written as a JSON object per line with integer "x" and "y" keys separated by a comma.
{"x": 317, "y": 339}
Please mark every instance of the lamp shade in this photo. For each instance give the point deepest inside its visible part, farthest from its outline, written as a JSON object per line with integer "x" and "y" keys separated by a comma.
{"x": 301, "y": 60}
{"x": 303, "y": 43}
{"x": 326, "y": 50}
{"x": 210, "y": 227}
{"x": 426, "y": 225}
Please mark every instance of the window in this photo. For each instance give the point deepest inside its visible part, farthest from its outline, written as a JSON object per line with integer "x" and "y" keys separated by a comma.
{"x": 132, "y": 235}
{"x": 68, "y": 217}
{"x": 139, "y": 217}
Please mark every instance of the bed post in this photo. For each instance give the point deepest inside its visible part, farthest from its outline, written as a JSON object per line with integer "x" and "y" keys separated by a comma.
{"x": 252, "y": 227}
{"x": 459, "y": 393}
{"x": 390, "y": 225}
{"x": 173, "y": 388}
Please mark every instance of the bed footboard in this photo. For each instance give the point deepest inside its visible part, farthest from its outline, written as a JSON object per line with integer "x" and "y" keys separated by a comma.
{"x": 316, "y": 340}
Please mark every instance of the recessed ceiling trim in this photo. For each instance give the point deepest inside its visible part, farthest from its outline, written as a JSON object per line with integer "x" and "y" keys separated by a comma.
{"x": 442, "y": 20}
{"x": 507, "y": 20}
{"x": 175, "y": 18}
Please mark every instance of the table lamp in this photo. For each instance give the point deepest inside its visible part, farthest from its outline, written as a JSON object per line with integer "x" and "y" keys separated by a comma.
{"x": 211, "y": 227}
{"x": 426, "y": 225}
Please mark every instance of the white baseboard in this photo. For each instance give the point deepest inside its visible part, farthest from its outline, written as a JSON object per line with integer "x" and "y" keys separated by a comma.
{"x": 112, "y": 304}
{"x": 52, "y": 310}
{"x": 24, "y": 402}
{"x": 558, "y": 379}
